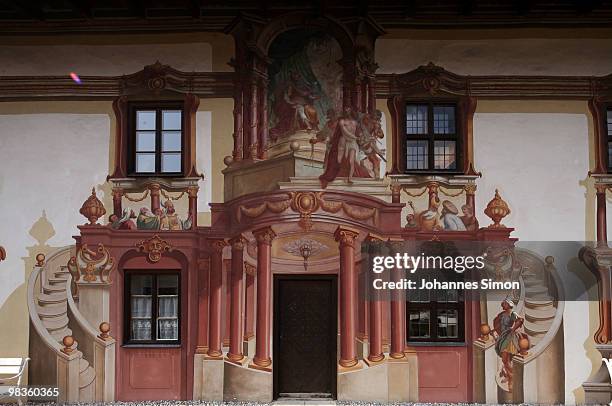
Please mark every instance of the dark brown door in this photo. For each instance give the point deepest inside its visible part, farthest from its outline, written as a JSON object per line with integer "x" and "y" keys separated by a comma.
{"x": 305, "y": 326}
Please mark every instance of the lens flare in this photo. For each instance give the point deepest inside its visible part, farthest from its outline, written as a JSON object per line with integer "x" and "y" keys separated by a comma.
{"x": 75, "y": 78}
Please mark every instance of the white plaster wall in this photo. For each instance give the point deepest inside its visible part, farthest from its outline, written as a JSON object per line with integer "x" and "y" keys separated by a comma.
{"x": 519, "y": 56}
{"x": 103, "y": 60}
{"x": 48, "y": 162}
{"x": 539, "y": 162}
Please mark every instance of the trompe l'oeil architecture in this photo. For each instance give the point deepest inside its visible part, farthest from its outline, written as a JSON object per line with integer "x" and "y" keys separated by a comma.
{"x": 243, "y": 162}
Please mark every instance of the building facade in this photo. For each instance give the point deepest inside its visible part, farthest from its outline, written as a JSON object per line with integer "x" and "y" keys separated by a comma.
{"x": 243, "y": 163}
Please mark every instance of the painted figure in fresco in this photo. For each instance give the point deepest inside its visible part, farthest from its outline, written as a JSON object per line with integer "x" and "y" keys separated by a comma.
{"x": 505, "y": 326}
{"x": 371, "y": 132}
{"x": 147, "y": 220}
{"x": 170, "y": 220}
{"x": 125, "y": 222}
{"x": 326, "y": 134}
{"x": 294, "y": 107}
{"x": 342, "y": 155}
{"x": 468, "y": 218}
{"x": 449, "y": 217}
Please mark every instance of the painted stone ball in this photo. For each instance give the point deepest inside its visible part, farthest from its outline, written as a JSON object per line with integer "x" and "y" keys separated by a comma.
{"x": 294, "y": 146}
{"x": 524, "y": 343}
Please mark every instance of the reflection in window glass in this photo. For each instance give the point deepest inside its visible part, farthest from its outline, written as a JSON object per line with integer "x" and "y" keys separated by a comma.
{"x": 444, "y": 119}
{"x": 417, "y": 155}
{"x": 609, "y": 121}
{"x": 444, "y": 155}
{"x": 448, "y": 324}
{"x": 419, "y": 324}
{"x": 416, "y": 119}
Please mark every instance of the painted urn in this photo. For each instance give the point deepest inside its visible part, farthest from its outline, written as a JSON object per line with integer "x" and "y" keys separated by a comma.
{"x": 497, "y": 209}
{"x": 92, "y": 208}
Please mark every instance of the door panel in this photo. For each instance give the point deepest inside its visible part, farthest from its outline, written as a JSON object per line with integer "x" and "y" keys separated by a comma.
{"x": 305, "y": 335}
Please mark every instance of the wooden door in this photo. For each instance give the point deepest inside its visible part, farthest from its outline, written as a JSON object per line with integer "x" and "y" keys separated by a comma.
{"x": 305, "y": 326}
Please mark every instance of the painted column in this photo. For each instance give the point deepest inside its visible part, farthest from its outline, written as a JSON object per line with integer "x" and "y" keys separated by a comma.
{"x": 263, "y": 119}
{"x": 375, "y": 334}
{"x": 396, "y": 190}
{"x": 264, "y": 237}
{"x": 602, "y": 233}
{"x": 348, "y": 295}
{"x": 216, "y": 297}
{"x": 203, "y": 280}
{"x": 238, "y": 121}
{"x": 155, "y": 191}
{"x": 192, "y": 192}
{"x": 398, "y": 311}
{"x": 252, "y": 152}
{"x": 470, "y": 197}
{"x": 117, "y": 204}
{"x": 237, "y": 302}
{"x": 249, "y": 302}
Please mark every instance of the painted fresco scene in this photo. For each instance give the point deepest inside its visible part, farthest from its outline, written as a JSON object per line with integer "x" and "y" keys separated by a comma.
{"x": 330, "y": 203}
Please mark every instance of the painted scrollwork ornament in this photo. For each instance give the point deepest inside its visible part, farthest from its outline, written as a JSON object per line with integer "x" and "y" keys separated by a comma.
{"x": 91, "y": 266}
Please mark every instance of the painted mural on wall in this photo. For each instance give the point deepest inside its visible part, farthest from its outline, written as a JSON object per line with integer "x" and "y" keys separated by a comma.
{"x": 440, "y": 214}
{"x": 164, "y": 218}
{"x": 305, "y": 82}
{"x": 509, "y": 341}
{"x": 354, "y": 145}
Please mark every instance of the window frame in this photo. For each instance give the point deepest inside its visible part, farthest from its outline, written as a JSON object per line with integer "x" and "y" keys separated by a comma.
{"x": 431, "y": 137}
{"x": 433, "y": 306}
{"x": 158, "y": 106}
{"x": 127, "y": 308}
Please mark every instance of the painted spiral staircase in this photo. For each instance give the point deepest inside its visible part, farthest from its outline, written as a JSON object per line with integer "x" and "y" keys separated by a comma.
{"x": 541, "y": 307}
{"x": 56, "y": 329}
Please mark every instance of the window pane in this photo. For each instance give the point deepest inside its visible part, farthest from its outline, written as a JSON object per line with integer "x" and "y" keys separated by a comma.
{"x": 167, "y": 329}
{"x": 145, "y": 120}
{"x": 167, "y": 285}
{"x": 141, "y": 329}
{"x": 609, "y": 123}
{"x": 448, "y": 325}
{"x": 145, "y": 141}
{"x": 610, "y": 155}
{"x": 145, "y": 163}
{"x": 418, "y": 325}
{"x": 171, "y": 120}
{"x": 141, "y": 290}
{"x": 171, "y": 141}
{"x": 416, "y": 119}
{"x": 444, "y": 119}
{"x": 444, "y": 155}
{"x": 141, "y": 306}
{"x": 417, "y": 155}
{"x": 171, "y": 162}
{"x": 141, "y": 285}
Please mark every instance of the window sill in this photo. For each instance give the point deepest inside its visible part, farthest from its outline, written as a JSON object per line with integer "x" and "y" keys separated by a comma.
{"x": 436, "y": 344}
{"x": 153, "y": 345}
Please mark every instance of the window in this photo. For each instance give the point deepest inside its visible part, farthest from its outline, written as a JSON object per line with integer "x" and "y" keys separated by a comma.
{"x": 152, "y": 308}
{"x": 432, "y": 139}
{"x": 609, "y": 137}
{"x": 157, "y": 139}
{"x": 435, "y": 315}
